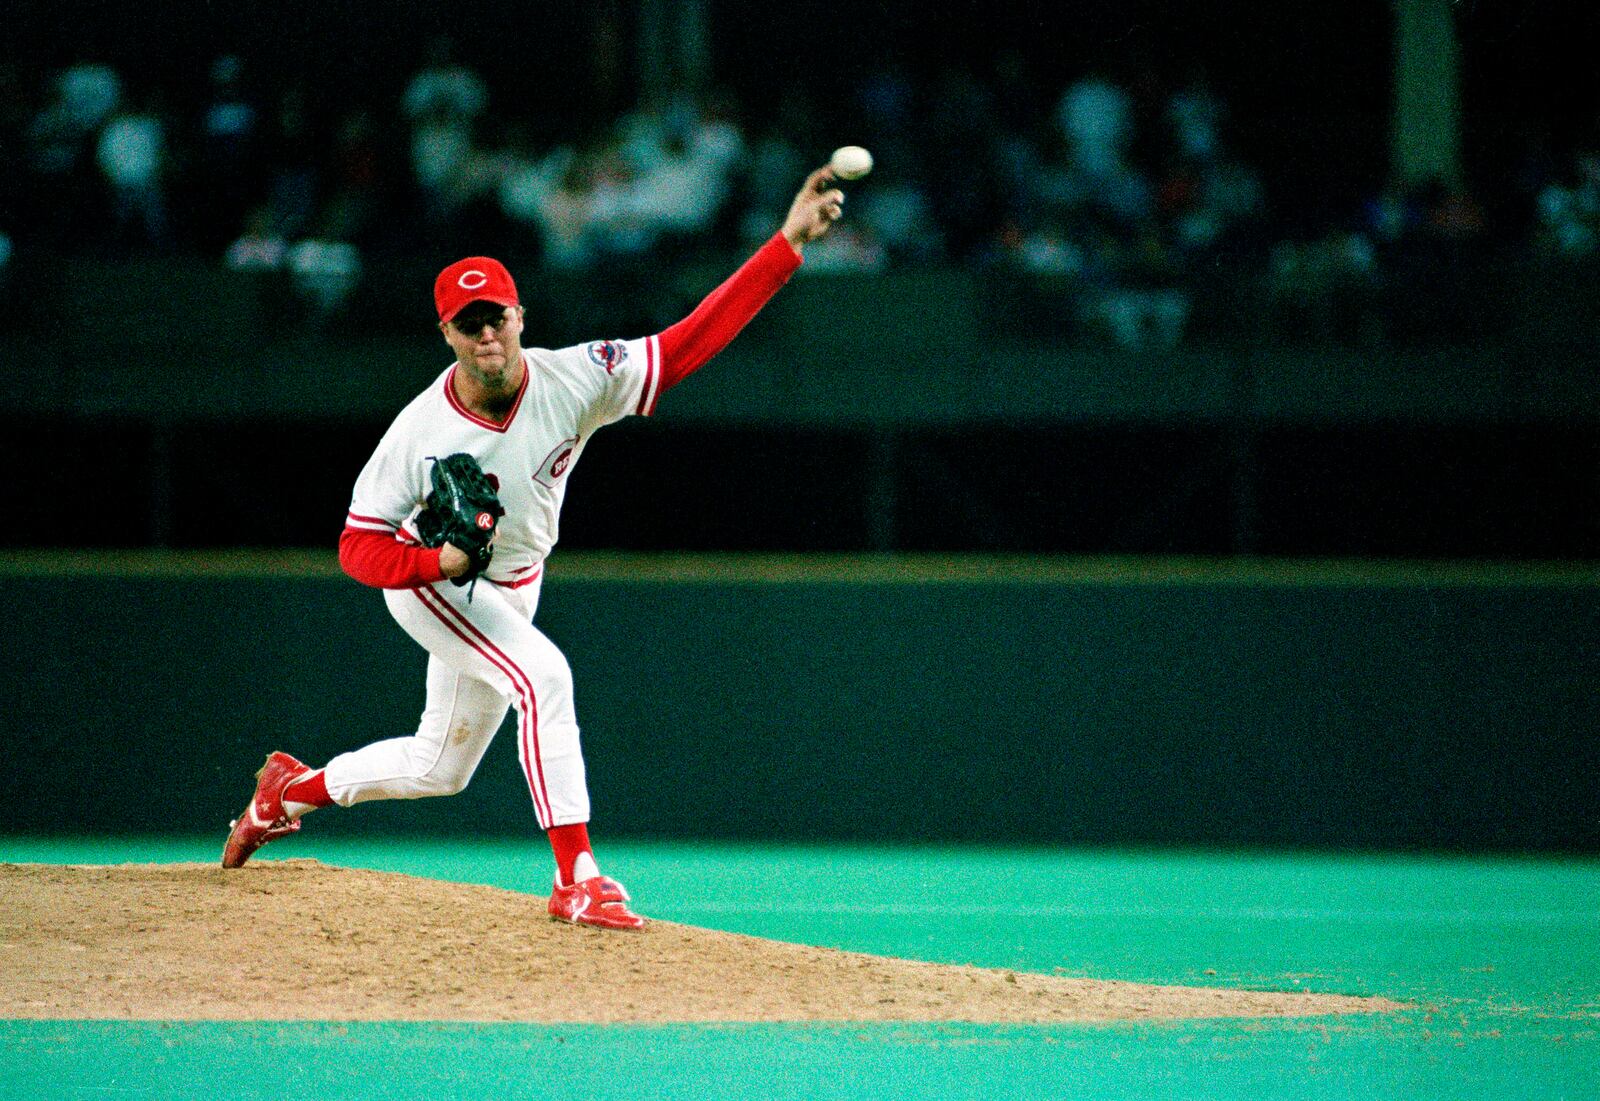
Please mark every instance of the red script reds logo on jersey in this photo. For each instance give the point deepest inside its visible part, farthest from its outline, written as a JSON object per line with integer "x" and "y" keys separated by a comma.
{"x": 556, "y": 463}
{"x": 609, "y": 354}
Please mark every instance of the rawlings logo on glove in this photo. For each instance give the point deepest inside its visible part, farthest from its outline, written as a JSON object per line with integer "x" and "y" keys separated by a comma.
{"x": 462, "y": 510}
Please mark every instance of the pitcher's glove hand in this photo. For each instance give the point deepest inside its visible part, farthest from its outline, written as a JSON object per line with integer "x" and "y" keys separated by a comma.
{"x": 462, "y": 510}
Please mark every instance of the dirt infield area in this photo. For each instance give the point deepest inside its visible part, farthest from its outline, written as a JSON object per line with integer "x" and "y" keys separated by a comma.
{"x": 298, "y": 939}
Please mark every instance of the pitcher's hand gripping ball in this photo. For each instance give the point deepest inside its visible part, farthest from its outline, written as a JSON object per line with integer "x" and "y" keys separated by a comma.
{"x": 462, "y": 510}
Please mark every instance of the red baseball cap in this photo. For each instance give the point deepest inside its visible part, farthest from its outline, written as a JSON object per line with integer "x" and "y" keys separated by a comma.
{"x": 475, "y": 279}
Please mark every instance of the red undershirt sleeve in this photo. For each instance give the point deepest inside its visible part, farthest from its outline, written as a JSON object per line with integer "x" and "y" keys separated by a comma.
{"x": 689, "y": 344}
{"x": 378, "y": 559}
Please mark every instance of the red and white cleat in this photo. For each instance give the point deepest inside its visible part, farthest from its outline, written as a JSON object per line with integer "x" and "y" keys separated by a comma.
{"x": 264, "y": 819}
{"x": 599, "y": 901}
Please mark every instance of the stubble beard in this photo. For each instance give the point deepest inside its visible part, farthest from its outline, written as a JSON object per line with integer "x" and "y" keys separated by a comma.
{"x": 495, "y": 381}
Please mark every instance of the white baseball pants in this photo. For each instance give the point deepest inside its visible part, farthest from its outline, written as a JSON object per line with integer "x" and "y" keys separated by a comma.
{"x": 483, "y": 657}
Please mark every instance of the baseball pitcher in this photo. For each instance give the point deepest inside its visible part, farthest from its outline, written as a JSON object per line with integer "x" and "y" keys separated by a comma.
{"x": 453, "y": 518}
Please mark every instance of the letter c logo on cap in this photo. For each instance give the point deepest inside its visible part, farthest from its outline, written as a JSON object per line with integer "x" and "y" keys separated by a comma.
{"x": 471, "y": 280}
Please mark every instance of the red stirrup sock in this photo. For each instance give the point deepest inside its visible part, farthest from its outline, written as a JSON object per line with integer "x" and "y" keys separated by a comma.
{"x": 569, "y": 843}
{"x": 307, "y": 793}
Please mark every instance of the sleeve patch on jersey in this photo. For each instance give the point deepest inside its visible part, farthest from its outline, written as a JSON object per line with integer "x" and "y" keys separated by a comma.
{"x": 609, "y": 354}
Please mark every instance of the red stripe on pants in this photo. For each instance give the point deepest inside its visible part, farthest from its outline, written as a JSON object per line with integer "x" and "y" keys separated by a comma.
{"x": 529, "y": 726}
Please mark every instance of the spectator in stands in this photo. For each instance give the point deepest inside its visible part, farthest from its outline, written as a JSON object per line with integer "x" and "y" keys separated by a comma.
{"x": 442, "y": 103}
{"x": 444, "y": 86}
{"x": 1195, "y": 115}
{"x": 90, "y": 92}
{"x": 1096, "y": 118}
{"x": 642, "y": 134}
{"x": 896, "y": 212}
{"x": 1133, "y": 290}
{"x": 773, "y": 158}
{"x": 774, "y": 161}
{"x": 61, "y": 140}
{"x": 615, "y": 222}
{"x": 131, "y": 154}
{"x": 549, "y": 196}
{"x": 260, "y": 247}
{"x": 856, "y": 249}
{"x": 686, "y": 175}
{"x": 228, "y": 165}
{"x": 584, "y": 205}
{"x": 890, "y": 126}
{"x": 295, "y": 159}
{"x": 356, "y": 174}
{"x": 324, "y": 270}
{"x": 1210, "y": 206}
{"x": 893, "y": 216}
{"x": 1065, "y": 219}
{"x": 1569, "y": 210}
{"x": 1209, "y": 201}
{"x": 441, "y": 147}
{"x": 531, "y": 176}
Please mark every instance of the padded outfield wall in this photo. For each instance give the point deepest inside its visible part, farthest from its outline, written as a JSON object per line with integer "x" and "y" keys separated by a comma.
{"x": 1055, "y": 701}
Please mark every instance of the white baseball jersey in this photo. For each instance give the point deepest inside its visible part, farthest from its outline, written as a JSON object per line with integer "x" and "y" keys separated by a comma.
{"x": 567, "y": 395}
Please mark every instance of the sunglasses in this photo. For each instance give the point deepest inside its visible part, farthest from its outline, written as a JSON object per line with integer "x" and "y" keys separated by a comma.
{"x": 471, "y": 324}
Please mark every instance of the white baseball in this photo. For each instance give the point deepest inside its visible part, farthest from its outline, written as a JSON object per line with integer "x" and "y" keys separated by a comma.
{"x": 850, "y": 162}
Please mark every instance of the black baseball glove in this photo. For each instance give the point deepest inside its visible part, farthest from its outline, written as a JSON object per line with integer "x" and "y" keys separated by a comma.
{"x": 462, "y": 510}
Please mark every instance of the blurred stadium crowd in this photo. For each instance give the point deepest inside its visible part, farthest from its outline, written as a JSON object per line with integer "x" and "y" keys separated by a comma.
{"x": 1131, "y": 192}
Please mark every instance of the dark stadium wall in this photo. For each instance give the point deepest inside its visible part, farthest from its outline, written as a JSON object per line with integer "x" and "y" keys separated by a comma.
{"x": 924, "y": 406}
{"x": 1319, "y": 712}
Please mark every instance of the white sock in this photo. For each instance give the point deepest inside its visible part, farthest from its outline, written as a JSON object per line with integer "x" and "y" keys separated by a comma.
{"x": 584, "y": 868}
{"x": 295, "y": 810}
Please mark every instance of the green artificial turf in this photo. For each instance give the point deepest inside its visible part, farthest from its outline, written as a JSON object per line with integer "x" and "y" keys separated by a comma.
{"x": 1499, "y": 958}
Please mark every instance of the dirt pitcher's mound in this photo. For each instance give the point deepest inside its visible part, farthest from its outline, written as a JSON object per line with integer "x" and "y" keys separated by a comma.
{"x": 298, "y": 939}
